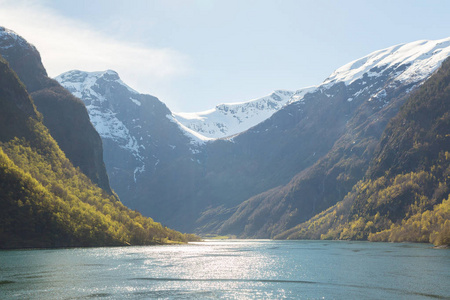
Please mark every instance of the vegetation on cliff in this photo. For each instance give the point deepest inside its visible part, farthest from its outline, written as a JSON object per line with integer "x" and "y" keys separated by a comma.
{"x": 405, "y": 195}
{"x": 44, "y": 200}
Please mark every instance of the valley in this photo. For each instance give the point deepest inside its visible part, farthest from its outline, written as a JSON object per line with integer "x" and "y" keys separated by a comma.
{"x": 263, "y": 168}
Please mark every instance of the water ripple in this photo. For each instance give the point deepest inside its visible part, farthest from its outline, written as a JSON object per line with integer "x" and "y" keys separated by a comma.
{"x": 400, "y": 291}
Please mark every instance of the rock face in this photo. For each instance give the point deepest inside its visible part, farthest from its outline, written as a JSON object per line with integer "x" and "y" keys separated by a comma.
{"x": 262, "y": 180}
{"x": 64, "y": 115}
{"x": 16, "y": 106}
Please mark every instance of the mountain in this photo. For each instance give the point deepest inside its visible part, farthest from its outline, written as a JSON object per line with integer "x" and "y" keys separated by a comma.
{"x": 143, "y": 144}
{"x": 230, "y": 119}
{"x": 64, "y": 115}
{"x": 336, "y": 127}
{"x": 155, "y": 163}
{"x": 233, "y": 118}
{"x": 378, "y": 85}
{"x": 405, "y": 193}
{"x": 44, "y": 200}
{"x": 301, "y": 160}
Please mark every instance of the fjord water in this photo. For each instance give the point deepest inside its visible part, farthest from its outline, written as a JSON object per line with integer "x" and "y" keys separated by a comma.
{"x": 232, "y": 269}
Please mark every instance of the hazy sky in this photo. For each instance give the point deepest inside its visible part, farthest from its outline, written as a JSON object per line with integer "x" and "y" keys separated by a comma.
{"x": 195, "y": 54}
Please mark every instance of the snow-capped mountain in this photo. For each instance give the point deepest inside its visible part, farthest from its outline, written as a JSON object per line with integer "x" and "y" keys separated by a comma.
{"x": 232, "y": 118}
{"x": 87, "y": 86}
{"x": 10, "y": 39}
{"x": 137, "y": 131}
{"x": 335, "y": 130}
{"x": 160, "y": 163}
{"x": 405, "y": 64}
{"x": 413, "y": 62}
{"x": 322, "y": 140}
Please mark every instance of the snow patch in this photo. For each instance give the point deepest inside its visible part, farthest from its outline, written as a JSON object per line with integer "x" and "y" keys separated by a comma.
{"x": 139, "y": 170}
{"x": 195, "y": 137}
{"x": 9, "y": 38}
{"x": 135, "y": 101}
{"x": 299, "y": 95}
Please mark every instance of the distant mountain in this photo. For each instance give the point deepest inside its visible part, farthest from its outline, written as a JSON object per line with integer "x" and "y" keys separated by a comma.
{"x": 230, "y": 119}
{"x": 233, "y": 118}
{"x": 44, "y": 200}
{"x": 64, "y": 115}
{"x": 268, "y": 178}
{"x": 405, "y": 193}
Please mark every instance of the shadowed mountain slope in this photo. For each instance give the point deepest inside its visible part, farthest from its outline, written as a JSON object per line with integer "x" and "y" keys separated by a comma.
{"x": 405, "y": 193}
{"x": 64, "y": 115}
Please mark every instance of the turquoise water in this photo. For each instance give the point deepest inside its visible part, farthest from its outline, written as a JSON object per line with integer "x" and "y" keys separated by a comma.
{"x": 234, "y": 269}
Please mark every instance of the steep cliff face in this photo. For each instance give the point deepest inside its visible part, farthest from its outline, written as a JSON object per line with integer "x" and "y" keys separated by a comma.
{"x": 15, "y": 114}
{"x": 64, "y": 115}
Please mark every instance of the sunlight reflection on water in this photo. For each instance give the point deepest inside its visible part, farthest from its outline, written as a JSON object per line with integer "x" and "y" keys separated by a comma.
{"x": 232, "y": 269}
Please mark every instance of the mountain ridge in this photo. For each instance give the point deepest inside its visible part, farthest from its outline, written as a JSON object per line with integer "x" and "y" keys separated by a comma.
{"x": 420, "y": 54}
{"x": 229, "y": 119}
{"x": 326, "y": 133}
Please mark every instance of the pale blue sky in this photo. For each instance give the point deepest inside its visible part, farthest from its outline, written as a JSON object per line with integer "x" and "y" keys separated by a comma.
{"x": 196, "y": 54}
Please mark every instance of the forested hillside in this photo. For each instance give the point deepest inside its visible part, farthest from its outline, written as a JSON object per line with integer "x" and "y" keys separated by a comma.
{"x": 45, "y": 200}
{"x": 405, "y": 194}
{"x": 64, "y": 115}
